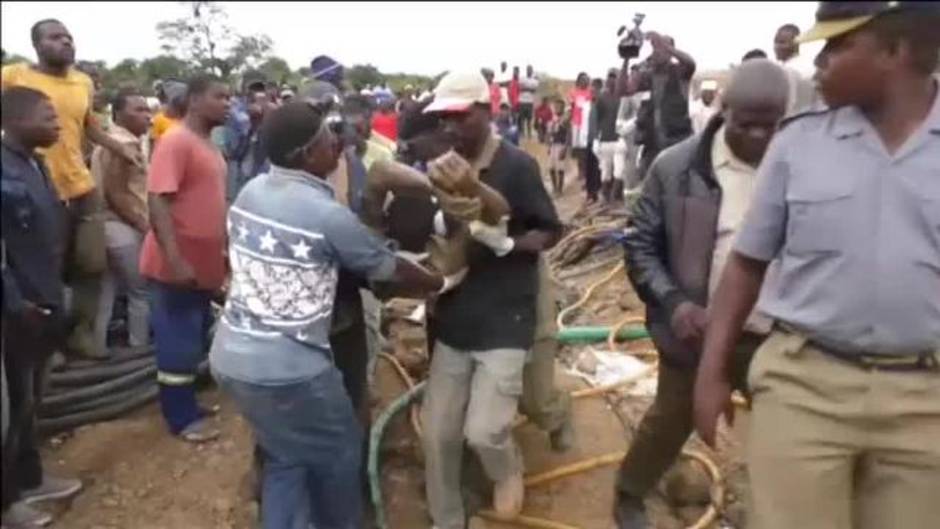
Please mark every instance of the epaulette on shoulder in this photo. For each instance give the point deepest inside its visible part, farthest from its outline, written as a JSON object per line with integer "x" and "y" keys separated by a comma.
{"x": 818, "y": 111}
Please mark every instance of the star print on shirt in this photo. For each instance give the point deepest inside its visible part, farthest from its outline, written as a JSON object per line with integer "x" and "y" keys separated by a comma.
{"x": 242, "y": 232}
{"x": 268, "y": 242}
{"x": 301, "y": 250}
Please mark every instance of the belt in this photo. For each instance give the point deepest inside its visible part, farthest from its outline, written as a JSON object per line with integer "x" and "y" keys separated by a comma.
{"x": 925, "y": 361}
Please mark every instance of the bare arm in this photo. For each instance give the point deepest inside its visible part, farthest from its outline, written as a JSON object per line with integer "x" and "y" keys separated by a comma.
{"x": 98, "y": 136}
{"x": 162, "y": 223}
{"x": 734, "y": 300}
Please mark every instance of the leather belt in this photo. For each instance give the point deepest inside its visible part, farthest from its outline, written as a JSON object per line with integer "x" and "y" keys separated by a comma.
{"x": 925, "y": 361}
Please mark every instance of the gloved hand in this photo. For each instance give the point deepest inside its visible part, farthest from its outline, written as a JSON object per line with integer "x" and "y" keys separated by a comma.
{"x": 493, "y": 237}
{"x": 460, "y": 207}
{"x": 454, "y": 175}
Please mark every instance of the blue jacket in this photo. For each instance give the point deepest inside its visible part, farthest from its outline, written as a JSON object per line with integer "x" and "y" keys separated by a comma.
{"x": 33, "y": 232}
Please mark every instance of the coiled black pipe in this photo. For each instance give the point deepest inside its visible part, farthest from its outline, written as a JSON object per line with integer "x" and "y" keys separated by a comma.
{"x": 94, "y": 375}
{"x": 66, "y": 398}
{"x": 99, "y": 402}
{"x": 48, "y": 426}
{"x": 119, "y": 355}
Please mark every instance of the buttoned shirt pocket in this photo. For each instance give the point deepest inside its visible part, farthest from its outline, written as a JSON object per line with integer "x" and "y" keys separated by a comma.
{"x": 819, "y": 214}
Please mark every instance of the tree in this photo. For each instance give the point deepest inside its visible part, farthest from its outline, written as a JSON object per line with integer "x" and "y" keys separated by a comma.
{"x": 276, "y": 69}
{"x": 14, "y": 58}
{"x": 199, "y": 37}
{"x": 248, "y": 52}
{"x": 164, "y": 67}
{"x": 363, "y": 75}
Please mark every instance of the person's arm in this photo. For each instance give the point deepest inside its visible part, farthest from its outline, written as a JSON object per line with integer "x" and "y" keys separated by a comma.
{"x": 167, "y": 169}
{"x": 760, "y": 240}
{"x": 536, "y": 209}
{"x": 685, "y": 60}
{"x": 121, "y": 201}
{"x": 162, "y": 223}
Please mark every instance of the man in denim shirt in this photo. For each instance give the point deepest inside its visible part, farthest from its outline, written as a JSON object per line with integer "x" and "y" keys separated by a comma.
{"x": 288, "y": 238}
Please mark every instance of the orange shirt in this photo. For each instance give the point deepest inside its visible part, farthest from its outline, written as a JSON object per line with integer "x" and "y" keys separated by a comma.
{"x": 71, "y": 98}
{"x": 160, "y": 124}
{"x": 191, "y": 169}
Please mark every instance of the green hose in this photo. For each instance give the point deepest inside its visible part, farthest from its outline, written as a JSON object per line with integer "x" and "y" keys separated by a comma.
{"x": 375, "y": 439}
{"x": 598, "y": 334}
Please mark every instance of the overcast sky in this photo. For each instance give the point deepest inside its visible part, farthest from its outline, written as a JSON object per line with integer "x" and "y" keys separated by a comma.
{"x": 560, "y": 38}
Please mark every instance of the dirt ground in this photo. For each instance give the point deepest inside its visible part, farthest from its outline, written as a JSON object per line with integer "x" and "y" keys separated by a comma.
{"x": 138, "y": 477}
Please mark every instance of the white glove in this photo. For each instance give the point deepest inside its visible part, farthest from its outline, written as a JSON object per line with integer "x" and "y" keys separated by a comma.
{"x": 494, "y": 237}
{"x": 451, "y": 281}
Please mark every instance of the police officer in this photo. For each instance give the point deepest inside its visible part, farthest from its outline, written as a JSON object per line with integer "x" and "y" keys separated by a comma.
{"x": 845, "y": 430}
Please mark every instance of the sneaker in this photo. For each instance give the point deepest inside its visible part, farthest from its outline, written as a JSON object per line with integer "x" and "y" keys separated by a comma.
{"x": 52, "y": 488}
{"x": 22, "y": 516}
{"x": 562, "y": 439}
{"x": 199, "y": 432}
{"x": 508, "y": 496}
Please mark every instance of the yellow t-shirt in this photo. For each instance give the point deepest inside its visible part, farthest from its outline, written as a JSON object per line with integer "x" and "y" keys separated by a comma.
{"x": 71, "y": 97}
{"x": 161, "y": 124}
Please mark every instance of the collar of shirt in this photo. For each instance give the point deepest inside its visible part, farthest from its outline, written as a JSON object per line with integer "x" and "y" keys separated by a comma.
{"x": 305, "y": 178}
{"x": 486, "y": 156}
{"x": 723, "y": 156}
{"x": 123, "y": 135}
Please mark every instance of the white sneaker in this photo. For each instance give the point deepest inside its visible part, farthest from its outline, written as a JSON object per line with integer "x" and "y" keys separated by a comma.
{"x": 52, "y": 488}
{"x": 22, "y": 516}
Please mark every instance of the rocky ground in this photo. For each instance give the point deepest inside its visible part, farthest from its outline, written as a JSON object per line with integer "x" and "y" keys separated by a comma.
{"x": 138, "y": 477}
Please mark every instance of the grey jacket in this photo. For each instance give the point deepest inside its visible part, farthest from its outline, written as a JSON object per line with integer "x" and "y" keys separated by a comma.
{"x": 669, "y": 250}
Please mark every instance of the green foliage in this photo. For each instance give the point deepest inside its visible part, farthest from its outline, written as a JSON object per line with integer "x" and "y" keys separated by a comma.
{"x": 363, "y": 75}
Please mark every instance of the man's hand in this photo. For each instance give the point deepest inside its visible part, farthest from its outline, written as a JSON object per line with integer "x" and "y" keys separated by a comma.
{"x": 183, "y": 272}
{"x": 453, "y": 174}
{"x": 657, "y": 41}
{"x": 712, "y": 398}
{"x": 688, "y": 323}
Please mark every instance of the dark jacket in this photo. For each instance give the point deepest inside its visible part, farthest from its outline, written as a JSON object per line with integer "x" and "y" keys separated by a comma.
{"x": 33, "y": 233}
{"x": 669, "y": 250}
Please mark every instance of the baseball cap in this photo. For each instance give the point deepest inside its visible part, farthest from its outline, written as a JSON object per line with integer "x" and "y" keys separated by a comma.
{"x": 709, "y": 84}
{"x": 838, "y": 18}
{"x": 458, "y": 91}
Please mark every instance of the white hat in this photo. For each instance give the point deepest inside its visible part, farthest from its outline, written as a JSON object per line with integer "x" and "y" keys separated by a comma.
{"x": 709, "y": 84}
{"x": 458, "y": 91}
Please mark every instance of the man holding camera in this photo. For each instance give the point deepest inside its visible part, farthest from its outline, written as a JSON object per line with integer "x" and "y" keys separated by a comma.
{"x": 663, "y": 120}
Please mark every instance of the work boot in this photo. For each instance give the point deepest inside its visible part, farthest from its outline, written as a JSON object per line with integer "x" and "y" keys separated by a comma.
{"x": 199, "y": 432}
{"x": 22, "y": 516}
{"x": 630, "y": 513}
{"x": 508, "y": 496}
{"x": 52, "y": 488}
{"x": 562, "y": 438}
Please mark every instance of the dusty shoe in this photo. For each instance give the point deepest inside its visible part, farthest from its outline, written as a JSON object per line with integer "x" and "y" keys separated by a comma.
{"x": 22, "y": 516}
{"x": 562, "y": 439}
{"x": 199, "y": 432}
{"x": 630, "y": 513}
{"x": 52, "y": 488}
{"x": 508, "y": 496}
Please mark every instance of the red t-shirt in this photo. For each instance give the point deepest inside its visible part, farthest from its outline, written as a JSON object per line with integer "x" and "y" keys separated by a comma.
{"x": 514, "y": 93}
{"x": 495, "y": 98}
{"x": 578, "y": 97}
{"x": 191, "y": 169}
{"x": 386, "y": 125}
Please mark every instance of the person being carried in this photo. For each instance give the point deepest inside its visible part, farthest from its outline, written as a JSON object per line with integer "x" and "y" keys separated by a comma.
{"x": 846, "y": 389}
{"x": 674, "y": 261}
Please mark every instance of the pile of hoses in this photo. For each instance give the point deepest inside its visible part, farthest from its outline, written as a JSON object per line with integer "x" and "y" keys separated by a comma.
{"x": 88, "y": 391}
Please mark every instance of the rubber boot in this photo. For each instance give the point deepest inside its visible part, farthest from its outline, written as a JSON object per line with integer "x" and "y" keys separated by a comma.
{"x": 630, "y": 513}
{"x": 561, "y": 183}
{"x": 554, "y": 176}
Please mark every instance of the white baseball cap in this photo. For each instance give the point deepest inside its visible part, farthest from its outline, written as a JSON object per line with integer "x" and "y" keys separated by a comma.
{"x": 709, "y": 84}
{"x": 458, "y": 91}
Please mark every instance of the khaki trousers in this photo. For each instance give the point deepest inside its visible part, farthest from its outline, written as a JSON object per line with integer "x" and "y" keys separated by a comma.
{"x": 471, "y": 396}
{"x": 834, "y": 446}
{"x": 85, "y": 265}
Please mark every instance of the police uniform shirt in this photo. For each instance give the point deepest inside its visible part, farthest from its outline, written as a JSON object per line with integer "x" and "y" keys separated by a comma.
{"x": 857, "y": 230}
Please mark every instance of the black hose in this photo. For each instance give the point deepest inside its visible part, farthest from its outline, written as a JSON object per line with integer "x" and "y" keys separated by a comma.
{"x": 94, "y": 375}
{"x": 98, "y": 402}
{"x": 66, "y": 398}
{"x": 118, "y": 355}
{"x": 67, "y": 422}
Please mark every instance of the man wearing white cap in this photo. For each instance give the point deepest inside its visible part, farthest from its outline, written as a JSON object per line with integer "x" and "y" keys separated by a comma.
{"x": 705, "y": 106}
{"x": 486, "y": 325}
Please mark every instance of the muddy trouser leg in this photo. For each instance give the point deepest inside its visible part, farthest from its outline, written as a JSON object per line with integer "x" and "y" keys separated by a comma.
{"x": 668, "y": 423}
{"x": 86, "y": 262}
{"x": 372, "y": 310}
{"x": 542, "y": 402}
{"x": 350, "y": 352}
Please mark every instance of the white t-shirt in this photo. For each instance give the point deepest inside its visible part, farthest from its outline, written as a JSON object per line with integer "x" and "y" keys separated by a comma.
{"x": 528, "y": 86}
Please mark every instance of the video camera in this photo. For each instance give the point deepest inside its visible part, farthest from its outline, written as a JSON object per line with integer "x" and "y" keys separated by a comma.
{"x": 629, "y": 46}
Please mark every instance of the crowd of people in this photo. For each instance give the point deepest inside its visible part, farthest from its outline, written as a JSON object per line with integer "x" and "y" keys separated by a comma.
{"x": 257, "y": 231}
